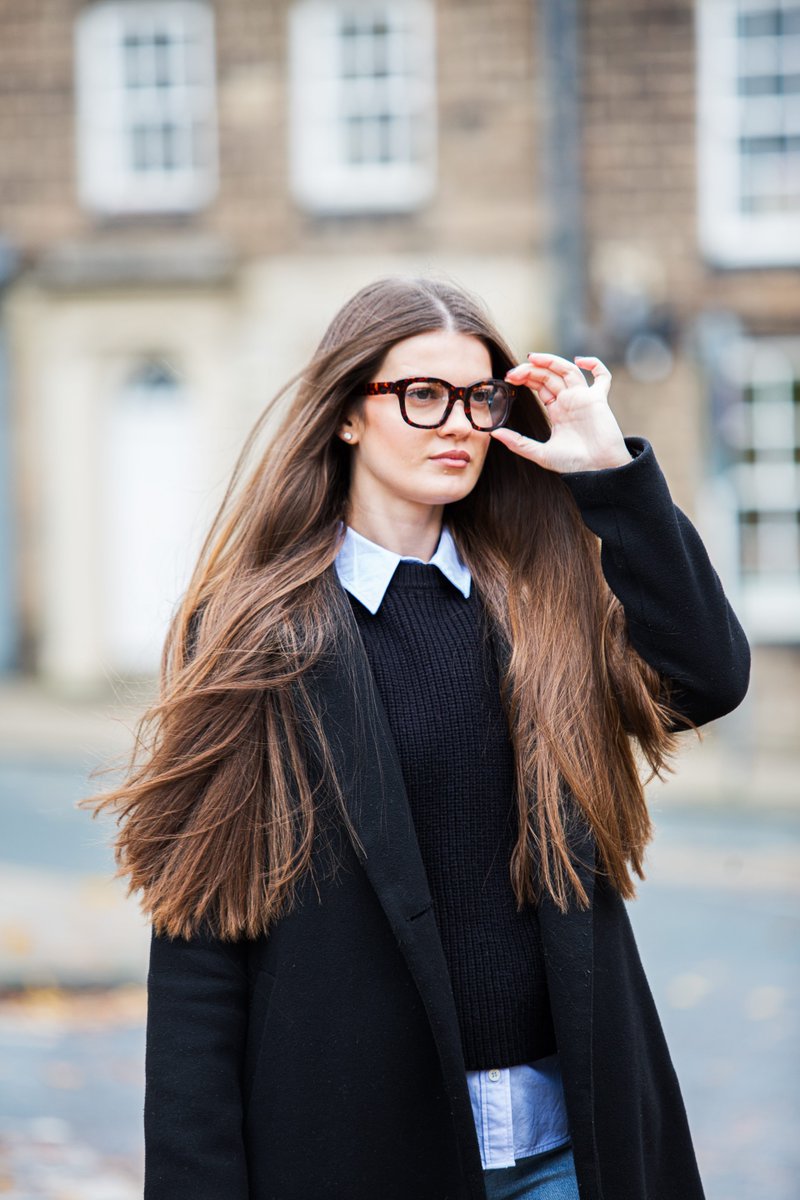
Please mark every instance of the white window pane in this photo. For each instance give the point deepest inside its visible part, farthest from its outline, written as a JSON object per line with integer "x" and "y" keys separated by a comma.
{"x": 132, "y": 62}
{"x": 759, "y": 19}
{"x": 770, "y": 545}
{"x": 403, "y": 145}
{"x": 748, "y": 543}
{"x": 761, "y": 116}
{"x": 773, "y": 424}
{"x": 759, "y": 56}
{"x": 166, "y": 69}
{"x": 138, "y": 148}
{"x": 778, "y": 546}
{"x": 769, "y": 485}
{"x": 791, "y": 169}
{"x": 762, "y": 173}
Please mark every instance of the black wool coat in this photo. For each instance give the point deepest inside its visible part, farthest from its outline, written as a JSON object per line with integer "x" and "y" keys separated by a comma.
{"x": 323, "y": 1061}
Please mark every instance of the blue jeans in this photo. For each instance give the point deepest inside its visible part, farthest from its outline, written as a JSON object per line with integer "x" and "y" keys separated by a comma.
{"x": 548, "y": 1176}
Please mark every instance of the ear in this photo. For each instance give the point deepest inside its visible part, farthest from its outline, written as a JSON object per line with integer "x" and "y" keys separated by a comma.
{"x": 350, "y": 426}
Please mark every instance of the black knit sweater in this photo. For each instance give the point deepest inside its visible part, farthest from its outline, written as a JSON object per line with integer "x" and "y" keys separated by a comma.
{"x": 439, "y": 684}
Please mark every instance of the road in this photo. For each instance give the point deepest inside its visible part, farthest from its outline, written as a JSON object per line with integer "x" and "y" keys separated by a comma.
{"x": 716, "y": 922}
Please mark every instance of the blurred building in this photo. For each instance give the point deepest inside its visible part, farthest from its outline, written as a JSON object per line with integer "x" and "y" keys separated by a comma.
{"x": 189, "y": 190}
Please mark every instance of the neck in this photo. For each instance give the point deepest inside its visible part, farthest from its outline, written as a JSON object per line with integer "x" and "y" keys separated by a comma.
{"x": 405, "y": 529}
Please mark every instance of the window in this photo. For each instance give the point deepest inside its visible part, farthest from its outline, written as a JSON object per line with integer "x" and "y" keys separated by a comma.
{"x": 362, "y": 133}
{"x": 762, "y": 430}
{"x": 749, "y": 131}
{"x": 145, "y": 106}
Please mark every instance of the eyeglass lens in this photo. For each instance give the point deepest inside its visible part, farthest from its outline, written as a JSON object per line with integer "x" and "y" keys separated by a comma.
{"x": 426, "y": 403}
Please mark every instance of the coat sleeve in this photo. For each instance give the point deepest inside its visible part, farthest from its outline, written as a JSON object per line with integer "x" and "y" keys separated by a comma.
{"x": 196, "y": 1028}
{"x": 678, "y": 617}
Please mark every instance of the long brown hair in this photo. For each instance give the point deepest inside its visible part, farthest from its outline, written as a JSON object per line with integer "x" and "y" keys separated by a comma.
{"x": 219, "y": 805}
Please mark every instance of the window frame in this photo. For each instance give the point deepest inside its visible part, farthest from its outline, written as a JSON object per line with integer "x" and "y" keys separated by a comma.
{"x": 321, "y": 179}
{"x": 108, "y": 183}
{"x": 727, "y": 236}
{"x": 770, "y": 605}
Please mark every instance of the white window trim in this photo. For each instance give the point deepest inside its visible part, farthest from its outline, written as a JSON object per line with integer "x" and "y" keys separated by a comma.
{"x": 319, "y": 182}
{"x": 727, "y": 237}
{"x": 106, "y": 184}
{"x": 769, "y": 607}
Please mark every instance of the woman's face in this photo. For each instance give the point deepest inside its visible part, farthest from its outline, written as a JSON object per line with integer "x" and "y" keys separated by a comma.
{"x": 394, "y": 459}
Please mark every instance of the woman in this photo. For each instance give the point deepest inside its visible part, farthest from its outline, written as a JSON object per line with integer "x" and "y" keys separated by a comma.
{"x": 390, "y": 815}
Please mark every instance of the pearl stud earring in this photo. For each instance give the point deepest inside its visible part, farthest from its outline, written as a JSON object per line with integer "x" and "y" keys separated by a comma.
{"x": 348, "y": 436}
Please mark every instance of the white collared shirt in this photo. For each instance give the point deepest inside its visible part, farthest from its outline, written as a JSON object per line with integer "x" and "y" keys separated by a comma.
{"x": 365, "y": 569}
{"x": 519, "y": 1110}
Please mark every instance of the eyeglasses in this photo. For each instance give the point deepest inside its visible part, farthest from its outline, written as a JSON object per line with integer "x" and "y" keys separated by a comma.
{"x": 426, "y": 403}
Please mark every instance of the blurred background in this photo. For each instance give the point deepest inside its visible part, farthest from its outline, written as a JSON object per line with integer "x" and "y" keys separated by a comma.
{"x": 188, "y": 191}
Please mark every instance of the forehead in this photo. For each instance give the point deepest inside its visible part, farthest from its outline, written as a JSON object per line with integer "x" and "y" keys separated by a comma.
{"x": 459, "y": 357}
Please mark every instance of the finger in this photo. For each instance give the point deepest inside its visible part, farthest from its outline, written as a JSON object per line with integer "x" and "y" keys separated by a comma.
{"x": 589, "y": 363}
{"x": 518, "y": 369}
{"x": 540, "y": 372}
{"x": 523, "y": 369}
{"x": 559, "y": 366}
{"x": 539, "y": 378}
{"x": 517, "y": 443}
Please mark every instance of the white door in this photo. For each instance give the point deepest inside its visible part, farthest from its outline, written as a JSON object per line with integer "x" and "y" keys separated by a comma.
{"x": 151, "y": 514}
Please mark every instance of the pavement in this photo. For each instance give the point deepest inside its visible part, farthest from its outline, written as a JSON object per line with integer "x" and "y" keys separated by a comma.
{"x": 71, "y": 1094}
{"x": 56, "y": 858}
{"x": 716, "y": 922}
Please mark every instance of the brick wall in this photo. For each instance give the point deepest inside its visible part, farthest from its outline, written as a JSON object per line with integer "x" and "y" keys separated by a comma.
{"x": 485, "y": 198}
{"x": 638, "y": 146}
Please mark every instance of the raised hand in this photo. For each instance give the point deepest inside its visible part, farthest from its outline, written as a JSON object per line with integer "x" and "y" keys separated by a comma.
{"x": 585, "y": 435}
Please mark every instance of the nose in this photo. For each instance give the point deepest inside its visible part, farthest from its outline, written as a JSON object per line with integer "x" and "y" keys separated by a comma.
{"x": 457, "y": 422}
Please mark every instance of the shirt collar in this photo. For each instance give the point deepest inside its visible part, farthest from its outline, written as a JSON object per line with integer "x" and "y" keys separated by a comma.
{"x": 365, "y": 569}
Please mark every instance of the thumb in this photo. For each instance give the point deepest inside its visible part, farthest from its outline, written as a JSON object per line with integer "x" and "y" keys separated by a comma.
{"x": 526, "y": 447}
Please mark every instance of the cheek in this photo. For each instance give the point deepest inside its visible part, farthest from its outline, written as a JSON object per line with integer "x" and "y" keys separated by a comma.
{"x": 390, "y": 436}
{"x": 481, "y": 453}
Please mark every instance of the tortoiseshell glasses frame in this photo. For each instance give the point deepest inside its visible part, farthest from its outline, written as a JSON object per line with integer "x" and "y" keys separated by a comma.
{"x": 507, "y": 391}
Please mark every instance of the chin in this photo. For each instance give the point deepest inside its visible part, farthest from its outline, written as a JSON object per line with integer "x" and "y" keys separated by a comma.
{"x": 448, "y": 495}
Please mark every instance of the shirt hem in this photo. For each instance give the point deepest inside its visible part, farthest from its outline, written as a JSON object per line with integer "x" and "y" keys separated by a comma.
{"x": 543, "y": 1149}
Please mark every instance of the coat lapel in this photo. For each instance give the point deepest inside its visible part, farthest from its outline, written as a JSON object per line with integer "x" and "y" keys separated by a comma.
{"x": 377, "y": 802}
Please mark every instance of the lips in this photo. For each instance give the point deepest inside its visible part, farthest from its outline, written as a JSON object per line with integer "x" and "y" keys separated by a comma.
{"x": 453, "y": 454}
